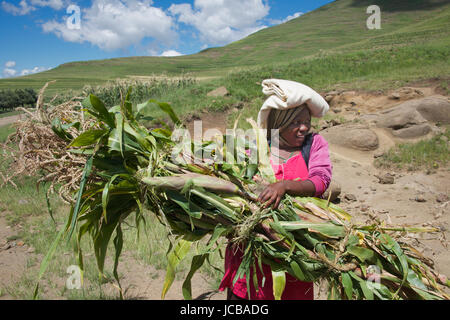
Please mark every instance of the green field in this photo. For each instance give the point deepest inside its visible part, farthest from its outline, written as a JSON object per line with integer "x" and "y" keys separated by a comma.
{"x": 336, "y": 29}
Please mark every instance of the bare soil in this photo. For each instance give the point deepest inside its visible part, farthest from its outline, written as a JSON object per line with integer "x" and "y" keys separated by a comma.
{"x": 415, "y": 198}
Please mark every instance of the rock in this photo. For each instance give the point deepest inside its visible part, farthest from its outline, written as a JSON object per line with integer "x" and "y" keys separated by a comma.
{"x": 415, "y": 112}
{"x": 378, "y": 154}
{"x": 238, "y": 105}
{"x": 219, "y": 92}
{"x": 6, "y": 247}
{"x": 413, "y": 132}
{"x": 406, "y": 93}
{"x": 434, "y": 108}
{"x": 328, "y": 98}
{"x": 400, "y": 117}
{"x": 442, "y": 197}
{"x": 420, "y": 198}
{"x": 333, "y": 191}
{"x": 335, "y": 122}
{"x": 31, "y": 250}
{"x": 413, "y": 118}
{"x": 395, "y": 96}
{"x": 354, "y": 136}
{"x": 364, "y": 208}
{"x": 385, "y": 179}
{"x": 350, "y": 197}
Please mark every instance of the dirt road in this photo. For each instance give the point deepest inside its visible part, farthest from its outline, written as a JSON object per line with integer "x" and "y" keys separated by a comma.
{"x": 8, "y": 120}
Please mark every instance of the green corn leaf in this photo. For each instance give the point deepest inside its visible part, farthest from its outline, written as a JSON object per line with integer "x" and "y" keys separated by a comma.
{"x": 197, "y": 262}
{"x": 279, "y": 283}
{"x": 61, "y": 131}
{"x": 391, "y": 244}
{"x": 87, "y": 138}
{"x": 120, "y": 131}
{"x": 348, "y": 285}
{"x": 363, "y": 254}
{"x": 118, "y": 244}
{"x": 103, "y": 113}
{"x": 76, "y": 209}
{"x": 45, "y": 262}
{"x": 168, "y": 110}
{"x": 367, "y": 292}
{"x": 298, "y": 271}
{"x": 188, "y": 206}
{"x": 264, "y": 165}
{"x": 327, "y": 229}
{"x": 105, "y": 194}
{"x": 177, "y": 254}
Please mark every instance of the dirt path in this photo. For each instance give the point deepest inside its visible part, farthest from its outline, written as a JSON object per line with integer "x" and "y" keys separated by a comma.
{"x": 8, "y": 120}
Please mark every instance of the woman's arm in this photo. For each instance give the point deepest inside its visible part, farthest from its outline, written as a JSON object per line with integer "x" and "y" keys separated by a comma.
{"x": 320, "y": 167}
{"x": 319, "y": 177}
{"x": 274, "y": 192}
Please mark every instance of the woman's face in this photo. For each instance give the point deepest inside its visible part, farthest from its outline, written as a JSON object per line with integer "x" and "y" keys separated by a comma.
{"x": 297, "y": 130}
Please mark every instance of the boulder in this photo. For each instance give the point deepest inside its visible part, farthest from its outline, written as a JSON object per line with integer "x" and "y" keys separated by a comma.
{"x": 413, "y": 131}
{"x": 355, "y": 136}
{"x": 414, "y": 118}
{"x": 219, "y": 92}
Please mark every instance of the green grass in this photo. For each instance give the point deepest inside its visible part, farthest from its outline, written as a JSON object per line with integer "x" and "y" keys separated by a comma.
{"x": 427, "y": 154}
{"x": 10, "y": 113}
{"x": 5, "y": 131}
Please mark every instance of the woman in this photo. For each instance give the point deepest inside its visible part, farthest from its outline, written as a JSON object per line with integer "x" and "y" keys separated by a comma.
{"x": 302, "y": 166}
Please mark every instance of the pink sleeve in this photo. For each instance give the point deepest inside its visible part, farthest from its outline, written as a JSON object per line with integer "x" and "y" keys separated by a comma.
{"x": 320, "y": 165}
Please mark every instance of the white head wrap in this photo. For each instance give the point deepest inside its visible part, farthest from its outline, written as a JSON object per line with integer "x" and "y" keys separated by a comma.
{"x": 286, "y": 94}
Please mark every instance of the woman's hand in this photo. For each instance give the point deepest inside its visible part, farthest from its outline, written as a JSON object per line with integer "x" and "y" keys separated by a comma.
{"x": 273, "y": 194}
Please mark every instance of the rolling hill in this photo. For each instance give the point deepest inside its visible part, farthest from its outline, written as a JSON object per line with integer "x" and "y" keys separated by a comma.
{"x": 336, "y": 28}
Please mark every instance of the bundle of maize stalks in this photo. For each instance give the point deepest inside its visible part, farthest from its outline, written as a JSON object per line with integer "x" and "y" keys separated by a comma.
{"x": 128, "y": 167}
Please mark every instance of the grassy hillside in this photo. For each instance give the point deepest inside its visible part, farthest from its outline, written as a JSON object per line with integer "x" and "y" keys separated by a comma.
{"x": 336, "y": 28}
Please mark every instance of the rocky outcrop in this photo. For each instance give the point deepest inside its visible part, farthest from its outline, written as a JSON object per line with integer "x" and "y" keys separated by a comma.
{"x": 415, "y": 118}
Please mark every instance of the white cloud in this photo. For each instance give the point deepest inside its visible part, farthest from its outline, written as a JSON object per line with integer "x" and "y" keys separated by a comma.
{"x": 278, "y": 21}
{"x": 24, "y": 7}
{"x": 9, "y": 70}
{"x": 117, "y": 24}
{"x": 24, "y": 72}
{"x": 220, "y": 22}
{"x": 171, "y": 53}
{"x": 10, "y": 64}
{"x": 20, "y": 10}
{"x": 54, "y": 4}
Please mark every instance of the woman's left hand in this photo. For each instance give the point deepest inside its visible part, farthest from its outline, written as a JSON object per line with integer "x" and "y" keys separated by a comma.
{"x": 273, "y": 194}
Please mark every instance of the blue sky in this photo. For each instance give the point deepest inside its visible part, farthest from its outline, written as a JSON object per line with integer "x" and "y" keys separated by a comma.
{"x": 40, "y": 34}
